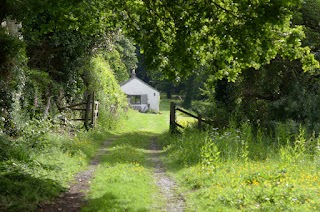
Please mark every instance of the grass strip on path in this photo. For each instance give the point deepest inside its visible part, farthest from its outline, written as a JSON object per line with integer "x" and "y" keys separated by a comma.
{"x": 124, "y": 181}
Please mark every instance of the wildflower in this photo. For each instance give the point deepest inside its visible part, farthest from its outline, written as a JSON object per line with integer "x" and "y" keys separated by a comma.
{"x": 254, "y": 182}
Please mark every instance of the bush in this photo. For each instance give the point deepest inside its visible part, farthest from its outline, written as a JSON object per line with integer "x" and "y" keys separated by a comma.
{"x": 112, "y": 101}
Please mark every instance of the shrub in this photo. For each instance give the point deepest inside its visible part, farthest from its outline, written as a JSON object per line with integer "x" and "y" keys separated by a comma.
{"x": 112, "y": 101}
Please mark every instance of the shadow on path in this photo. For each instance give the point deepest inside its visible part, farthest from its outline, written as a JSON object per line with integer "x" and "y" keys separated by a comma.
{"x": 73, "y": 199}
{"x": 14, "y": 185}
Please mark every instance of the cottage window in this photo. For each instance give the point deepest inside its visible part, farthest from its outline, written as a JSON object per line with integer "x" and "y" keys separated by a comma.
{"x": 135, "y": 99}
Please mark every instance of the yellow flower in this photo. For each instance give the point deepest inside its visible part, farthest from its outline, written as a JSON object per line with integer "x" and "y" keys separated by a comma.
{"x": 254, "y": 182}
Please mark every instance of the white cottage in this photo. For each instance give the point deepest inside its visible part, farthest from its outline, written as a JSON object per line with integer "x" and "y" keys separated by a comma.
{"x": 141, "y": 96}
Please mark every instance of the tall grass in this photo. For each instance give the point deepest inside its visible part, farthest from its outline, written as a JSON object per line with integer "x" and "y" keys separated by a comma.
{"x": 238, "y": 169}
{"x": 41, "y": 163}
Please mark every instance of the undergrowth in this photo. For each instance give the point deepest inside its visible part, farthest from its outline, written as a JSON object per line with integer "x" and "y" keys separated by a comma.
{"x": 41, "y": 163}
{"x": 238, "y": 169}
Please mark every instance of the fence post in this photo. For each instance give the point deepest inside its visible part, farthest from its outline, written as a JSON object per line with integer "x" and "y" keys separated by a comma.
{"x": 86, "y": 116}
{"x": 199, "y": 122}
{"x": 92, "y": 110}
{"x": 96, "y": 111}
{"x": 173, "y": 126}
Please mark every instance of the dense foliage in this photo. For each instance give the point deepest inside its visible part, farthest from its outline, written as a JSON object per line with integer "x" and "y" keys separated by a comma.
{"x": 48, "y": 60}
{"x": 59, "y": 39}
{"x": 278, "y": 92}
{"x": 204, "y": 40}
{"x": 225, "y": 36}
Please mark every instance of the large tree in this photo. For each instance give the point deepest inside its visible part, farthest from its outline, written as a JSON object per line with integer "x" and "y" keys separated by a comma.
{"x": 280, "y": 91}
{"x": 227, "y": 36}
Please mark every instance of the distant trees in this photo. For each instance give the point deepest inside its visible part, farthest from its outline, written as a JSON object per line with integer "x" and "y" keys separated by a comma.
{"x": 121, "y": 55}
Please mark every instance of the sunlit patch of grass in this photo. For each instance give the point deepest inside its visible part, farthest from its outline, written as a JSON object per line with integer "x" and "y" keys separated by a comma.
{"x": 184, "y": 120}
{"x": 124, "y": 154}
{"x": 144, "y": 122}
{"x": 122, "y": 187}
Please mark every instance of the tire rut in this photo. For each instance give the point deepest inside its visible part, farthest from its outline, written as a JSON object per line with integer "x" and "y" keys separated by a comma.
{"x": 73, "y": 199}
{"x": 175, "y": 201}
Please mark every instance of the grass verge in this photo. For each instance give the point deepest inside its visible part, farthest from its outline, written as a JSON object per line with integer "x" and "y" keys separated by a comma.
{"x": 34, "y": 169}
{"x": 234, "y": 170}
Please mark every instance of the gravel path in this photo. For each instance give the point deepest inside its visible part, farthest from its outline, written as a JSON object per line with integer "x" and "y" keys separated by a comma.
{"x": 168, "y": 188}
{"x": 73, "y": 199}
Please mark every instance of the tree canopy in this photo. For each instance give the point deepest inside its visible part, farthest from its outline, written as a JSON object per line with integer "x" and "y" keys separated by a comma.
{"x": 225, "y": 35}
{"x": 203, "y": 39}
{"x": 178, "y": 37}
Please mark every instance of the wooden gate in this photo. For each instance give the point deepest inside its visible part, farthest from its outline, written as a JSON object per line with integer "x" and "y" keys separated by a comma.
{"x": 90, "y": 111}
{"x": 173, "y": 122}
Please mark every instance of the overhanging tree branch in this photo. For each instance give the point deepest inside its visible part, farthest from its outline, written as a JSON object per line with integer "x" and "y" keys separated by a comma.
{"x": 224, "y": 9}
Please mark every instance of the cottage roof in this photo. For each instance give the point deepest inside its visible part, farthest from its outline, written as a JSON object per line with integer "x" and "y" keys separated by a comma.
{"x": 134, "y": 77}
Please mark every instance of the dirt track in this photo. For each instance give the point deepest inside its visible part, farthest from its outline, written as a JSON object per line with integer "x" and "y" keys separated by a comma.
{"x": 74, "y": 198}
{"x": 168, "y": 188}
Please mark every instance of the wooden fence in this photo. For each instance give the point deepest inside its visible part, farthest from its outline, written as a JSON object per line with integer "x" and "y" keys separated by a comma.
{"x": 173, "y": 116}
{"x": 90, "y": 111}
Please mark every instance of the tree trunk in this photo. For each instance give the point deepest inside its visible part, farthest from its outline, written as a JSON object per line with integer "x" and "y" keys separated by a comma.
{"x": 47, "y": 108}
{"x": 189, "y": 93}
